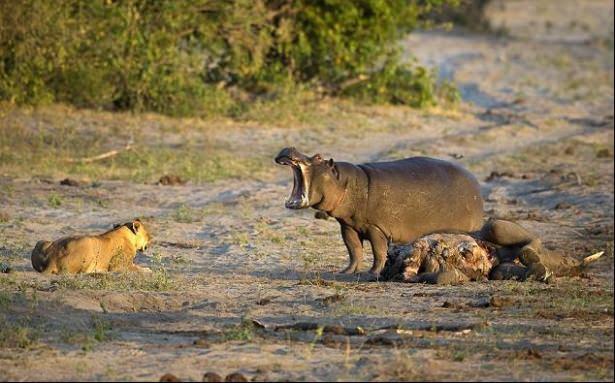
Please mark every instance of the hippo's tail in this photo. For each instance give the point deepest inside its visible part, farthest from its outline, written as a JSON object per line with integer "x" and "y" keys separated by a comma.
{"x": 591, "y": 259}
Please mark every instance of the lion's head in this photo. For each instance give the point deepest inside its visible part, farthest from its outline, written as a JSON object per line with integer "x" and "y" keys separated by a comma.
{"x": 142, "y": 236}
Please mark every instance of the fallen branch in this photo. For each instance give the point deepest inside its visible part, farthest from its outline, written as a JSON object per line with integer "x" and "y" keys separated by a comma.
{"x": 99, "y": 157}
{"x": 352, "y": 81}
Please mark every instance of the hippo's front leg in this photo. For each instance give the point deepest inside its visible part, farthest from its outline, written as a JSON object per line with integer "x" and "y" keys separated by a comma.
{"x": 380, "y": 246}
{"x": 354, "y": 244}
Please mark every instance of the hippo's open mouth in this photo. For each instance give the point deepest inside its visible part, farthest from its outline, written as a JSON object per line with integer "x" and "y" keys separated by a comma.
{"x": 298, "y": 198}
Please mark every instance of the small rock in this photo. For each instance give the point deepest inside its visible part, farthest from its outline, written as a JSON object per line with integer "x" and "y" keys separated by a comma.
{"x": 258, "y": 324}
{"x": 452, "y": 305}
{"x": 70, "y": 182}
{"x": 335, "y": 298}
{"x": 212, "y": 377}
{"x": 235, "y": 377}
{"x": 171, "y": 180}
{"x": 331, "y": 341}
{"x": 534, "y": 354}
{"x": 169, "y": 378}
{"x": 562, "y": 206}
{"x": 200, "y": 342}
{"x": 496, "y": 301}
{"x": 463, "y": 332}
{"x": 495, "y": 174}
{"x": 5, "y": 268}
{"x": 263, "y": 301}
{"x": 604, "y": 153}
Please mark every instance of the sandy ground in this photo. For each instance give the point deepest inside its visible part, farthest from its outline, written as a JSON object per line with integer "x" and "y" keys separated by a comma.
{"x": 233, "y": 268}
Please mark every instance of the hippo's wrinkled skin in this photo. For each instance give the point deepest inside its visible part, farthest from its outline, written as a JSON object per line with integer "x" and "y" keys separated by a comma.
{"x": 384, "y": 202}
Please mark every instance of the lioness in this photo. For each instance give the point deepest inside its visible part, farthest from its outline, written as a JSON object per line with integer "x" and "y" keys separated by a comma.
{"x": 114, "y": 250}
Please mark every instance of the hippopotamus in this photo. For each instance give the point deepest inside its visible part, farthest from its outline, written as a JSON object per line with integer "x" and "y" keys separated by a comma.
{"x": 382, "y": 202}
{"x": 398, "y": 202}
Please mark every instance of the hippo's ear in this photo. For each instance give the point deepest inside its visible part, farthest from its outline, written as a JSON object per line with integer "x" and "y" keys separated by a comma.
{"x": 331, "y": 164}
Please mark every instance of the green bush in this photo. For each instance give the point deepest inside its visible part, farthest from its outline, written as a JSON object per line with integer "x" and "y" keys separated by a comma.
{"x": 193, "y": 57}
{"x": 470, "y": 14}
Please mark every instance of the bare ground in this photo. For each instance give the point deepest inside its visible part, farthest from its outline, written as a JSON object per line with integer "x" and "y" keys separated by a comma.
{"x": 234, "y": 269}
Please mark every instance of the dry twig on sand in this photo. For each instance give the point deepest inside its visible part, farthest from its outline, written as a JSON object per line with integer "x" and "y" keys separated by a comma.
{"x": 102, "y": 156}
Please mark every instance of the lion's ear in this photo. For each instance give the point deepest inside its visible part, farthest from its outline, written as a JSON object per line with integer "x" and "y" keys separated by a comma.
{"x": 136, "y": 225}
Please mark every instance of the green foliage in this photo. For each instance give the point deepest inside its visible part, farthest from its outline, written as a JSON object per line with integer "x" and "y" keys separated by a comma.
{"x": 397, "y": 84}
{"x": 200, "y": 57}
{"x": 17, "y": 335}
{"x": 54, "y": 200}
{"x": 244, "y": 331}
{"x": 467, "y": 13}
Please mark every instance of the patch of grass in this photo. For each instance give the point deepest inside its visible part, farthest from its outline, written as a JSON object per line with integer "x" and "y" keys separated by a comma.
{"x": 401, "y": 367}
{"x": 5, "y": 300}
{"x": 240, "y": 238}
{"x": 20, "y": 335}
{"x": 570, "y": 299}
{"x": 7, "y": 280}
{"x": 54, "y": 200}
{"x": 195, "y": 163}
{"x": 241, "y": 332}
{"x": 99, "y": 330}
{"x": 316, "y": 281}
{"x": 184, "y": 214}
{"x": 158, "y": 280}
{"x": 265, "y": 232}
{"x": 213, "y": 208}
{"x": 51, "y": 150}
{"x": 351, "y": 307}
{"x": 459, "y": 356}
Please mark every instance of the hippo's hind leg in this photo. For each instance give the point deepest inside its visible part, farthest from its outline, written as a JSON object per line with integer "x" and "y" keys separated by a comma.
{"x": 516, "y": 243}
{"x": 354, "y": 244}
{"x": 505, "y": 233}
{"x": 380, "y": 246}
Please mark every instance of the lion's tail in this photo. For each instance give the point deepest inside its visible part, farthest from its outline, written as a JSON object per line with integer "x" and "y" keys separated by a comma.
{"x": 40, "y": 257}
{"x": 591, "y": 259}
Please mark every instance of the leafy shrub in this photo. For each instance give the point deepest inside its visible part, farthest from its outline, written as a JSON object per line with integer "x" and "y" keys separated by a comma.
{"x": 467, "y": 13}
{"x": 199, "y": 57}
{"x": 397, "y": 84}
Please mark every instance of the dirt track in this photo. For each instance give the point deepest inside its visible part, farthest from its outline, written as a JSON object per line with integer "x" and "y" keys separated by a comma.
{"x": 229, "y": 259}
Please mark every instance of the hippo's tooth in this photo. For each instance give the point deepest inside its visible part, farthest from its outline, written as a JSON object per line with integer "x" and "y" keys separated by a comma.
{"x": 297, "y": 198}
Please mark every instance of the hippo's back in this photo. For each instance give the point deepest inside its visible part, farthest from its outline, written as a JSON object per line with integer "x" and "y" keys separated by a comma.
{"x": 417, "y": 196}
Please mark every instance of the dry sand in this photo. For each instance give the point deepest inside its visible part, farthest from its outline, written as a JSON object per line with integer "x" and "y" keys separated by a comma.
{"x": 233, "y": 264}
